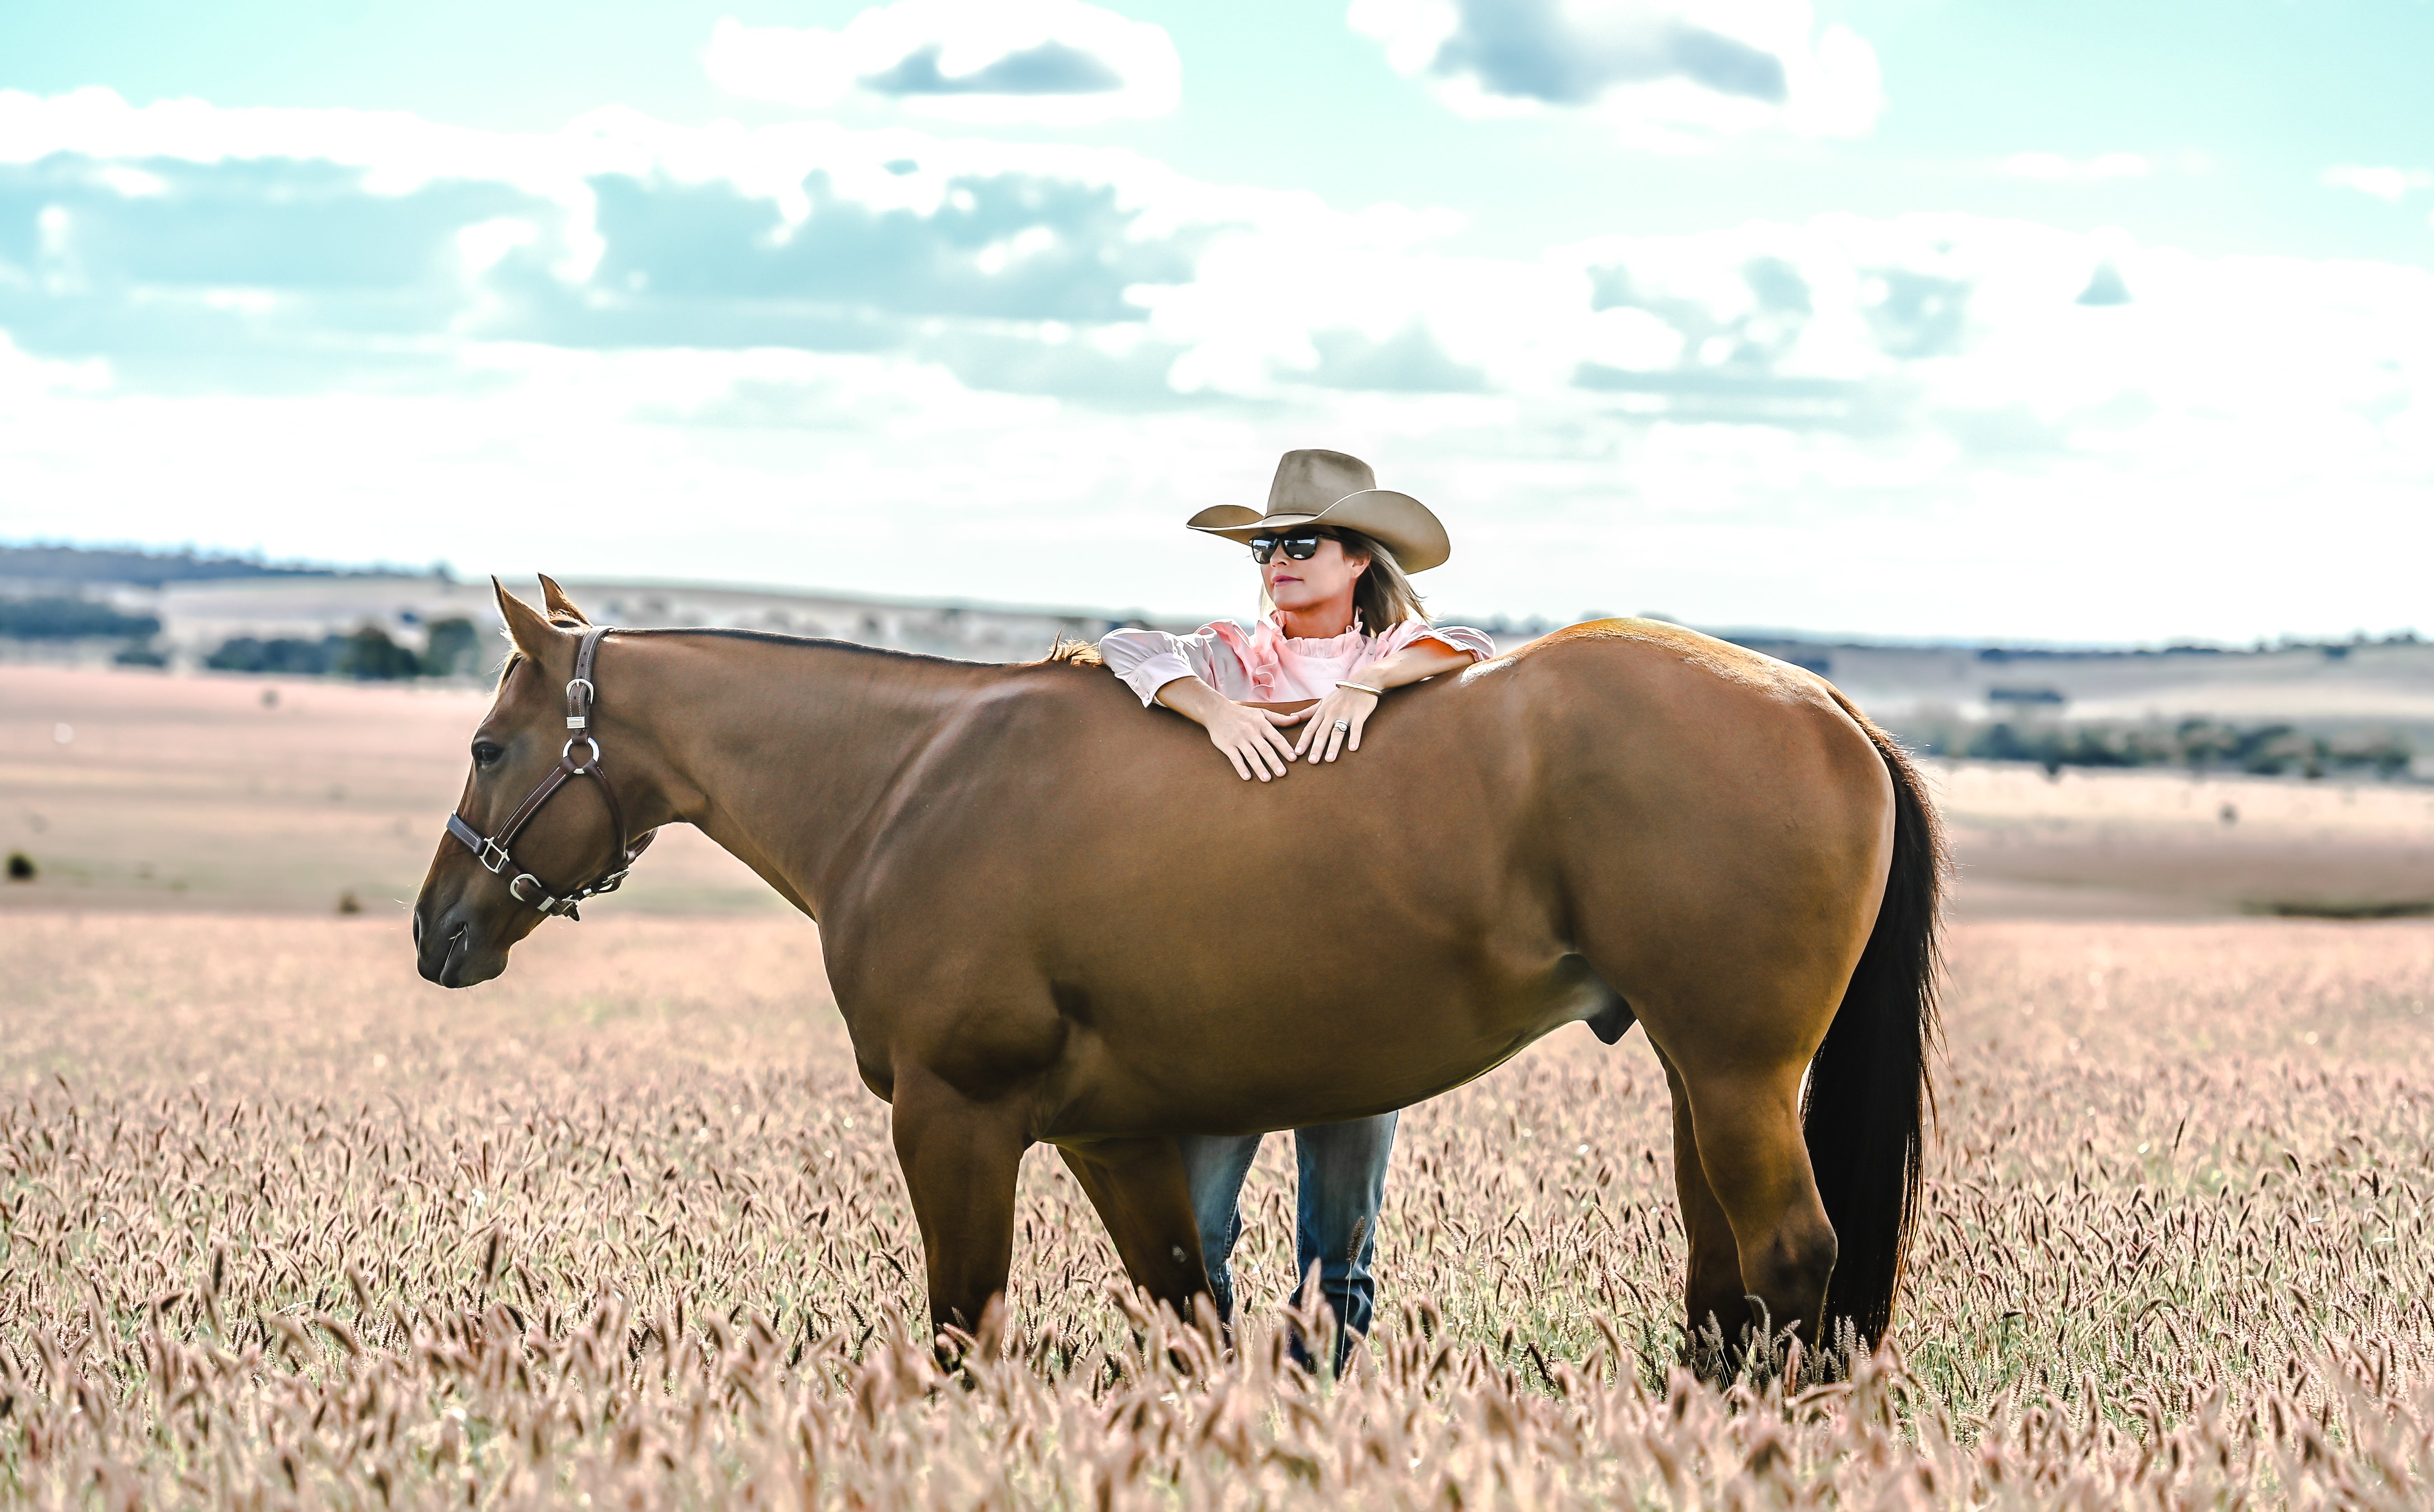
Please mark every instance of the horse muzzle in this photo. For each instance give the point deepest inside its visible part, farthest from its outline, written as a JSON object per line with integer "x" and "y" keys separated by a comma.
{"x": 454, "y": 950}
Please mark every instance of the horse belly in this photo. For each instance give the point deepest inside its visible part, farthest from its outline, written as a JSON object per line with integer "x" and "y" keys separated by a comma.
{"x": 1314, "y": 1065}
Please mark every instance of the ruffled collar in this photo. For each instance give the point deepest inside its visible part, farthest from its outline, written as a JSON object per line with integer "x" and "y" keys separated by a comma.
{"x": 1262, "y": 646}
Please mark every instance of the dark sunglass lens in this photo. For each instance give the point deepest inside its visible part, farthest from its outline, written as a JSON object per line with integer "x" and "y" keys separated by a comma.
{"x": 1301, "y": 548}
{"x": 1263, "y": 547}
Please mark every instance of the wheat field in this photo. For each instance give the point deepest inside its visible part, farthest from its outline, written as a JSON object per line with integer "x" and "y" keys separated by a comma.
{"x": 283, "y": 1226}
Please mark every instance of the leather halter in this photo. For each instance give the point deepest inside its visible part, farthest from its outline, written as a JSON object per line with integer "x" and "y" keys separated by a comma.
{"x": 492, "y": 851}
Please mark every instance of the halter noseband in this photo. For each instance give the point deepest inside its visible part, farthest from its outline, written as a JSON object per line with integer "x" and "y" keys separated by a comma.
{"x": 492, "y": 851}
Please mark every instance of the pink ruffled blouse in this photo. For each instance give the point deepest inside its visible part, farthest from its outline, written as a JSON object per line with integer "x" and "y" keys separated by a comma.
{"x": 1264, "y": 666}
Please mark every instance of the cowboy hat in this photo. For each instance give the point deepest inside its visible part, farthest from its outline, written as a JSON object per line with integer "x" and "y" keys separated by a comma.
{"x": 1314, "y": 487}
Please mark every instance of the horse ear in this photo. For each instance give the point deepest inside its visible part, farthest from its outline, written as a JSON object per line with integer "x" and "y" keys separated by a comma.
{"x": 533, "y": 636}
{"x": 555, "y": 600}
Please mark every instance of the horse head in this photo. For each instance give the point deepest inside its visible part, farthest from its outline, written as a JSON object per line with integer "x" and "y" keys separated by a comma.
{"x": 486, "y": 889}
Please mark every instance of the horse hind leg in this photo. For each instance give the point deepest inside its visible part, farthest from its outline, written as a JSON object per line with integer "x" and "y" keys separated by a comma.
{"x": 1141, "y": 1194}
{"x": 1741, "y": 1114}
{"x": 1748, "y": 1129}
{"x": 1711, "y": 1283}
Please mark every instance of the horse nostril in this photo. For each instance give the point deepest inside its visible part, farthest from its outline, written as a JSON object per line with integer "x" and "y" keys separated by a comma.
{"x": 418, "y": 932}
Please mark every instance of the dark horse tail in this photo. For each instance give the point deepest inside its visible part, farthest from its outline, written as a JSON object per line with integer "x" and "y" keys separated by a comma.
{"x": 1869, "y": 1092}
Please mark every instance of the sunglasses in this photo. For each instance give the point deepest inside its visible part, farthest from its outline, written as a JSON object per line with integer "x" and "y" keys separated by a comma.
{"x": 1301, "y": 547}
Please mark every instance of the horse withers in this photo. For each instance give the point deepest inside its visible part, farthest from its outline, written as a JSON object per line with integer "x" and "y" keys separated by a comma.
{"x": 1050, "y": 915}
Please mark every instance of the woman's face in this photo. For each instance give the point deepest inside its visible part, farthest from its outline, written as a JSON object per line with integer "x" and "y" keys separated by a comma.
{"x": 1326, "y": 576}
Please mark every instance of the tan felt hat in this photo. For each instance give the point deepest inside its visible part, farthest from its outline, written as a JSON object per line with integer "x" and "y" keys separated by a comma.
{"x": 1317, "y": 488}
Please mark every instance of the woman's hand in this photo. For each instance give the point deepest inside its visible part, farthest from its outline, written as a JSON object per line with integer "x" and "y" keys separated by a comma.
{"x": 1250, "y": 738}
{"x": 1352, "y": 707}
{"x": 1335, "y": 723}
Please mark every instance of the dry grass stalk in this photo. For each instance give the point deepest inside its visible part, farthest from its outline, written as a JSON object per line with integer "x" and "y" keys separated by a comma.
{"x": 280, "y": 1227}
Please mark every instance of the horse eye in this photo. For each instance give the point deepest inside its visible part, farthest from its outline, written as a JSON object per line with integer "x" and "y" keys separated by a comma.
{"x": 486, "y": 753}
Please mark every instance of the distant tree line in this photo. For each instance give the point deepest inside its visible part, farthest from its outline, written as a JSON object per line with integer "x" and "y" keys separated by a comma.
{"x": 144, "y": 569}
{"x": 2330, "y": 650}
{"x": 53, "y": 617}
{"x": 368, "y": 654}
{"x": 2199, "y": 744}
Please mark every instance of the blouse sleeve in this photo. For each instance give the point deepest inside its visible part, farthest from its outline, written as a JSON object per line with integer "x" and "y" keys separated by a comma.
{"x": 1149, "y": 660}
{"x": 1453, "y": 637}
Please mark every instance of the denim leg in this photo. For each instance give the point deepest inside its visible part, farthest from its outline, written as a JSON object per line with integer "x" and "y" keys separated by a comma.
{"x": 1343, "y": 1180}
{"x": 1214, "y": 1165}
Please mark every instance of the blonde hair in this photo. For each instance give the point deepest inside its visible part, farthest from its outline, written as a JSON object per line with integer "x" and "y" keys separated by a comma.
{"x": 1382, "y": 595}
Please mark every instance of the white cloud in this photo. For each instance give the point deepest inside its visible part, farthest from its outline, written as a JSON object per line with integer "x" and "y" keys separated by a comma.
{"x": 1668, "y": 73}
{"x": 2054, "y": 165}
{"x": 1052, "y": 61}
{"x": 875, "y": 359}
{"x": 2383, "y": 184}
{"x": 26, "y": 378}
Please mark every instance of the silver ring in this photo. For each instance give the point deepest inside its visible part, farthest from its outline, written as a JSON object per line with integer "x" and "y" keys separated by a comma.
{"x": 1344, "y": 724}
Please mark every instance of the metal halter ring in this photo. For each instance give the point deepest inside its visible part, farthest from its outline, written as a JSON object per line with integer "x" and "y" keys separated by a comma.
{"x": 590, "y": 762}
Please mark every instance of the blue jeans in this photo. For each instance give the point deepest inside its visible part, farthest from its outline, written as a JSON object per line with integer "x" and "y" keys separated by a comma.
{"x": 1343, "y": 1180}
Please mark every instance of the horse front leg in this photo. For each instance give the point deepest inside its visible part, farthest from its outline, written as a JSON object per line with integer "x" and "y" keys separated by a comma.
{"x": 960, "y": 1160}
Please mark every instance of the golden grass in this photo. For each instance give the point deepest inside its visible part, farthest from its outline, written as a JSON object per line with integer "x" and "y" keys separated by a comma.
{"x": 194, "y": 792}
{"x": 2156, "y": 842}
{"x": 283, "y": 1226}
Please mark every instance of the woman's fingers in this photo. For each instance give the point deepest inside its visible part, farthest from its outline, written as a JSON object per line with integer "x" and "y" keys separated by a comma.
{"x": 1317, "y": 734}
{"x": 1355, "y": 713}
{"x": 1263, "y": 763}
{"x": 1262, "y": 747}
{"x": 1279, "y": 755}
{"x": 1243, "y": 749}
{"x": 1295, "y": 744}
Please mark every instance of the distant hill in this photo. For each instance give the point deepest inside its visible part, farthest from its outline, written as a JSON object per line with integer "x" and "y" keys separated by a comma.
{"x": 2298, "y": 707}
{"x": 138, "y": 568}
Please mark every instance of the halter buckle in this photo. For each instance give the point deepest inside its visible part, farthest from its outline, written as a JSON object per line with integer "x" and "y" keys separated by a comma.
{"x": 493, "y": 856}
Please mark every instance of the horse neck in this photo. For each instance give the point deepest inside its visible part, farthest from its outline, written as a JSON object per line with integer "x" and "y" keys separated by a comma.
{"x": 782, "y": 751}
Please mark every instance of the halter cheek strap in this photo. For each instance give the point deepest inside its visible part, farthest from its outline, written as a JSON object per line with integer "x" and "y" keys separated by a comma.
{"x": 493, "y": 850}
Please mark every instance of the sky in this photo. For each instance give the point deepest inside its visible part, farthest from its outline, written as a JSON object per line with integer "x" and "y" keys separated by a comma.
{"x": 1893, "y": 318}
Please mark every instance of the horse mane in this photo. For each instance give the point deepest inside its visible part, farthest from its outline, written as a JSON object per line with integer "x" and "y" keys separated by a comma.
{"x": 1072, "y": 653}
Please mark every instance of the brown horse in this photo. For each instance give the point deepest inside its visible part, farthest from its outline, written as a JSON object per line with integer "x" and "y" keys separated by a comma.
{"x": 1048, "y": 914}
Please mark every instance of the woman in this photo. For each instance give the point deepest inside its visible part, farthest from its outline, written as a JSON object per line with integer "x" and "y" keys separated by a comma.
{"x": 1340, "y": 625}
